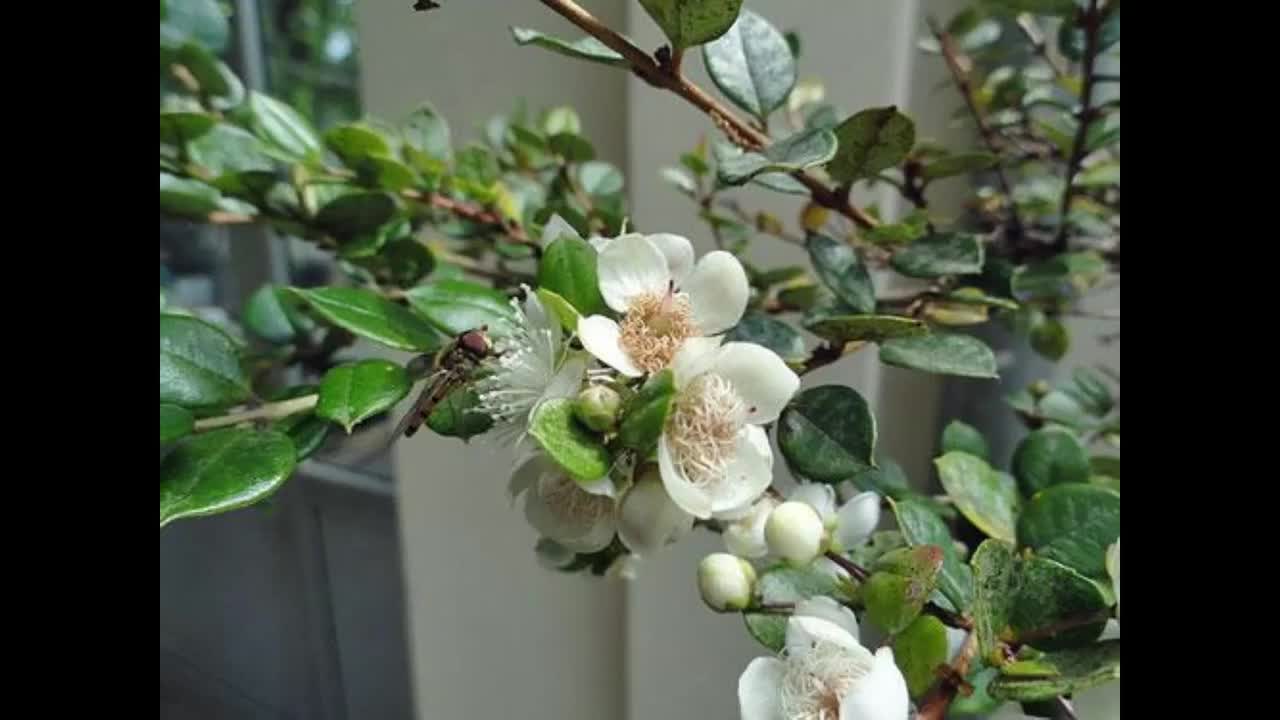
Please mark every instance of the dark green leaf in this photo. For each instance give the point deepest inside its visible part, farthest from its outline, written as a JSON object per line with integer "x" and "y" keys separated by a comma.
{"x": 228, "y": 149}
{"x": 568, "y": 268}
{"x": 580, "y": 453}
{"x": 458, "y": 415}
{"x": 962, "y": 437}
{"x": 188, "y": 198}
{"x": 369, "y": 315}
{"x": 692, "y": 22}
{"x": 761, "y": 329}
{"x": 871, "y": 141}
{"x": 269, "y": 317}
{"x": 306, "y": 431}
{"x": 1065, "y": 276}
{"x": 894, "y": 600}
{"x": 199, "y": 365}
{"x": 350, "y": 394}
{"x": 843, "y": 272}
{"x": 1073, "y": 524}
{"x": 175, "y": 422}
{"x": 919, "y": 650}
{"x": 382, "y": 173}
{"x": 1091, "y": 391}
{"x": 646, "y": 413}
{"x": 571, "y": 147}
{"x": 587, "y": 48}
{"x": 753, "y": 66}
{"x": 988, "y": 499}
{"x": 222, "y": 470}
{"x": 357, "y": 212}
{"x": 980, "y": 702}
{"x": 179, "y": 128}
{"x": 1071, "y": 37}
{"x": 961, "y": 164}
{"x": 1049, "y": 457}
{"x": 1049, "y": 602}
{"x": 355, "y": 141}
{"x": 921, "y": 526}
{"x": 888, "y": 479}
{"x": 404, "y": 262}
{"x": 456, "y": 306}
{"x": 869, "y": 328}
{"x": 828, "y": 433}
{"x": 1050, "y": 338}
{"x": 941, "y": 353}
{"x": 783, "y": 583}
{"x": 805, "y": 149}
{"x": 938, "y": 255}
{"x": 282, "y": 127}
{"x": 1061, "y": 673}
{"x": 995, "y": 584}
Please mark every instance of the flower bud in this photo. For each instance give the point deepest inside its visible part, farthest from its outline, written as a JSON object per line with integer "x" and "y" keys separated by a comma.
{"x": 726, "y": 582}
{"x": 795, "y": 533}
{"x": 597, "y": 407}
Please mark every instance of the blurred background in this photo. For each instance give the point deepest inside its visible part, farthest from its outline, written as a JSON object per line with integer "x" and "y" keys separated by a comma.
{"x": 374, "y": 586}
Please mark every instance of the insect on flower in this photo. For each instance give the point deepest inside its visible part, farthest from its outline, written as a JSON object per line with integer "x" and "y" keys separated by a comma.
{"x": 452, "y": 367}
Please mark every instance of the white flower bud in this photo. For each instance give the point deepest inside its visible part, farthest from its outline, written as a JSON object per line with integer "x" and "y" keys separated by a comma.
{"x": 597, "y": 407}
{"x": 795, "y": 533}
{"x": 726, "y": 582}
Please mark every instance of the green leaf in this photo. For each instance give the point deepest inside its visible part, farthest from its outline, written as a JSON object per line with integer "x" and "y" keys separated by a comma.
{"x": 1106, "y": 465}
{"x": 222, "y": 470}
{"x": 804, "y": 149}
{"x": 937, "y": 255}
{"x": 306, "y": 431}
{"x": 1093, "y": 394}
{"x": 188, "y": 198}
{"x": 646, "y": 413}
{"x": 357, "y": 212}
{"x": 780, "y": 182}
{"x": 382, "y": 173}
{"x": 569, "y": 444}
{"x": 975, "y": 296}
{"x": 843, "y": 272}
{"x": 1073, "y": 524}
{"x": 828, "y": 433}
{"x": 587, "y": 48}
{"x": 354, "y": 142}
{"x": 941, "y": 353}
{"x": 350, "y": 394}
{"x": 980, "y": 702}
{"x": 869, "y": 328}
{"x": 1062, "y": 673}
{"x": 568, "y": 269}
{"x": 600, "y": 179}
{"x": 988, "y": 499}
{"x": 681, "y": 180}
{"x": 887, "y": 479}
{"x": 566, "y": 313}
{"x": 919, "y": 650}
{"x": 894, "y": 601}
{"x": 458, "y": 415}
{"x": 962, "y": 437}
{"x": 269, "y": 317}
{"x": 921, "y": 526}
{"x": 780, "y": 584}
{"x": 1065, "y": 276}
{"x": 199, "y": 365}
{"x": 1049, "y": 457}
{"x": 456, "y": 306}
{"x": 873, "y": 140}
{"x": 179, "y": 128}
{"x": 960, "y": 164}
{"x": 571, "y": 147}
{"x": 995, "y": 584}
{"x": 369, "y": 315}
{"x": 228, "y": 149}
{"x": 282, "y": 127}
{"x": 562, "y": 119}
{"x": 427, "y": 132}
{"x": 753, "y": 66}
{"x": 1071, "y": 37}
{"x": 1050, "y": 338}
{"x": 200, "y": 20}
{"x": 1049, "y": 602}
{"x": 175, "y": 422}
{"x": 692, "y": 22}
{"x": 1061, "y": 8}
{"x": 761, "y": 329}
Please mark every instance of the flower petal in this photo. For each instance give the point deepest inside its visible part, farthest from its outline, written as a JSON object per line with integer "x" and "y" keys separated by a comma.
{"x": 691, "y": 499}
{"x": 597, "y": 537}
{"x": 748, "y": 474}
{"x": 718, "y": 292}
{"x": 745, "y": 537}
{"x": 805, "y": 631}
{"x": 568, "y": 379}
{"x": 695, "y": 356}
{"x": 826, "y": 608}
{"x": 631, "y": 266}
{"x": 525, "y": 475}
{"x": 819, "y": 496}
{"x": 601, "y": 337}
{"x": 760, "y": 377}
{"x": 648, "y": 520}
{"x": 857, "y": 519}
{"x": 880, "y": 694}
{"x": 760, "y": 690}
{"x": 555, "y": 228}
{"x": 679, "y": 254}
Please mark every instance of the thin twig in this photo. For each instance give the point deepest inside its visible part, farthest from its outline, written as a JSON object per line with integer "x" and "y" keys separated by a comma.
{"x": 1092, "y": 21}
{"x": 1027, "y": 23}
{"x": 935, "y": 706}
{"x": 270, "y": 411}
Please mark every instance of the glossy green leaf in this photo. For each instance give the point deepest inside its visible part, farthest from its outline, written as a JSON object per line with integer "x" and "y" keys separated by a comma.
{"x": 1061, "y": 673}
{"x": 940, "y": 353}
{"x": 351, "y": 394}
{"x": 975, "y": 296}
{"x": 455, "y": 306}
{"x": 828, "y": 434}
{"x": 1071, "y": 37}
{"x": 980, "y": 702}
{"x": 458, "y": 415}
{"x": 937, "y": 255}
{"x": 1049, "y": 457}
{"x": 357, "y": 212}
{"x": 1050, "y": 338}
{"x": 1052, "y": 603}
{"x": 959, "y": 164}
{"x": 199, "y": 365}
{"x": 282, "y": 127}
{"x": 353, "y": 142}
{"x": 178, "y": 128}
{"x": 782, "y": 583}
{"x": 894, "y": 601}
{"x": 571, "y": 147}
{"x": 753, "y": 66}
{"x": 306, "y": 431}
{"x": 778, "y": 336}
{"x": 587, "y": 48}
{"x": 919, "y": 650}
{"x": 805, "y": 149}
{"x": 568, "y": 269}
{"x": 369, "y": 315}
{"x": 995, "y": 585}
{"x": 888, "y": 479}
{"x": 921, "y": 526}
{"x": 175, "y": 422}
{"x": 958, "y": 436}
{"x": 229, "y": 149}
{"x": 692, "y": 22}
{"x": 269, "y": 317}
{"x": 222, "y": 470}
{"x": 869, "y": 328}
{"x": 565, "y": 312}
{"x": 843, "y": 272}
{"x": 1073, "y": 524}
{"x": 645, "y": 414}
{"x": 988, "y": 499}
{"x": 873, "y": 140}
{"x": 187, "y": 198}
{"x": 580, "y": 453}
{"x": 427, "y": 132}
{"x": 383, "y": 173}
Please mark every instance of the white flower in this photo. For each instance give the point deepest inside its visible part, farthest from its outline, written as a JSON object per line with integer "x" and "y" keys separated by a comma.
{"x": 714, "y": 456}
{"x": 1113, "y": 569}
{"x": 726, "y": 582}
{"x": 664, "y": 300}
{"x": 647, "y": 518}
{"x": 795, "y": 533}
{"x": 744, "y": 536}
{"x": 531, "y": 365}
{"x": 824, "y": 673}
{"x": 576, "y": 515}
{"x": 852, "y": 523}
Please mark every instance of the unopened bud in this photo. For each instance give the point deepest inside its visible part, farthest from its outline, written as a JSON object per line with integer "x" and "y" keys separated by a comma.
{"x": 727, "y": 582}
{"x": 597, "y": 407}
{"x": 1039, "y": 389}
{"x": 795, "y": 533}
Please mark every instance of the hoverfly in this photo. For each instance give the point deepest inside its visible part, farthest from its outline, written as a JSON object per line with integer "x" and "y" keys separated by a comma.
{"x": 452, "y": 366}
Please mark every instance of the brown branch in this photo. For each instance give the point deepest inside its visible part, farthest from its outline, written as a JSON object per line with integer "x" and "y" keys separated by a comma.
{"x": 737, "y": 129}
{"x": 827, "y": 353}
{"x": 1092, "y": 21}
{"x": 475, "y": 213}
{"x": 935, "y": 705}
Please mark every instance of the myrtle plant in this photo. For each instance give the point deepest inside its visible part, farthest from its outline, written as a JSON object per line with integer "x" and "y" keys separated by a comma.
{"x": 643, "y": 388}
